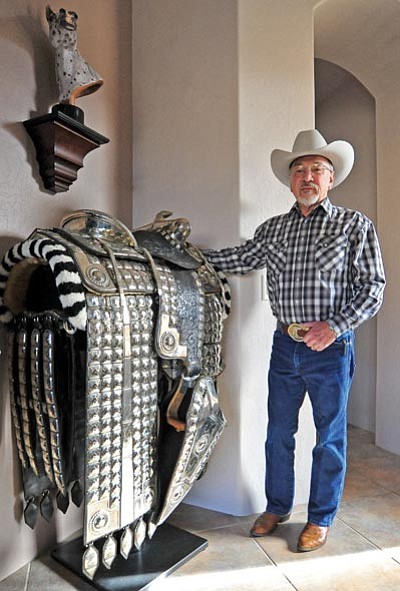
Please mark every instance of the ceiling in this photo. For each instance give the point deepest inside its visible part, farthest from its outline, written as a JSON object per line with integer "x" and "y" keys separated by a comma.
{"x": 362, "y": 36}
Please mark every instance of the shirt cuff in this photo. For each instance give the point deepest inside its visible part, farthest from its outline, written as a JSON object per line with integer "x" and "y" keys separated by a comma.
{"x": 338, "y": 325}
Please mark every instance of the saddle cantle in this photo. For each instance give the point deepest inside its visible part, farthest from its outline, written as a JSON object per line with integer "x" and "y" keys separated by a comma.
{"x": 114, "y": 351}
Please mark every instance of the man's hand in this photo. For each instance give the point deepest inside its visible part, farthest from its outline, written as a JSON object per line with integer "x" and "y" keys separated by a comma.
{"x": 319, "y": 336}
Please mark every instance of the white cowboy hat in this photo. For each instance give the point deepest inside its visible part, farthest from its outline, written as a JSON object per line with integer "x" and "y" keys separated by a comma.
{"x": 310, "y": 143}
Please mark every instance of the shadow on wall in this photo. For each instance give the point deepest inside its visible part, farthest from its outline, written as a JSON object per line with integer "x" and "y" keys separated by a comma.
{"x": 17, "y": 130}
{"x": 5, "y": 416}
{"x": 29, "y": 63}
{"x": 6, "y": 242}
{"x": 27, "y": 32}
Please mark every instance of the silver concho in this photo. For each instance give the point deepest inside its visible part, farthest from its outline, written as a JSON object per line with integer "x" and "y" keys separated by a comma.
{"x": 168, "y": 341}
{"x": 99, "y": 522}
{"x": 98, "y": 275}
{"x": 203, "y": 443}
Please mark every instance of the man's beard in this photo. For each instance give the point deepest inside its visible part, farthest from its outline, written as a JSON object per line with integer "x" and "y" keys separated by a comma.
{"x": 311, "y": 200}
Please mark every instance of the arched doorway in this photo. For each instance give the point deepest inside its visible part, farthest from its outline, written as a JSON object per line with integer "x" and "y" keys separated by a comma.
{"x": 345, "y": 109}
{"x": 362, "y": 37}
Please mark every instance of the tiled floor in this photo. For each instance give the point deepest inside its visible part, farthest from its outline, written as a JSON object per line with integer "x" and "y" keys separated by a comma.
{"x": 362, "y": 552}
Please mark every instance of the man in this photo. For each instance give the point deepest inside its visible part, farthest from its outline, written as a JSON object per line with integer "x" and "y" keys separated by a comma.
{"x": 325, "y": 277}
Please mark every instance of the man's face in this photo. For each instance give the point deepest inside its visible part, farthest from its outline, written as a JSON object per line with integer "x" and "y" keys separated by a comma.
{"x": 311, "y": 177}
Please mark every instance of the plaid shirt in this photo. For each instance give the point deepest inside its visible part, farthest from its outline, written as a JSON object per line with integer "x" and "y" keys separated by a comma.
{"x": 326, "y": 266}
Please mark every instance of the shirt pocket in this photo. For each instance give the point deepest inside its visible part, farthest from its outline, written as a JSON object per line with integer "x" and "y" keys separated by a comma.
{"x": 330, "y": 252}
{"x": 276, "y": 256}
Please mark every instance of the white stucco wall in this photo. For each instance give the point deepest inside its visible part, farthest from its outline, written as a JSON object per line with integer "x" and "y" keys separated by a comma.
{"x": 29, "y": 89}
{"x": 217, "y": 86}
{"x": 388, "y": 373}
{"x": 349, "y": 113}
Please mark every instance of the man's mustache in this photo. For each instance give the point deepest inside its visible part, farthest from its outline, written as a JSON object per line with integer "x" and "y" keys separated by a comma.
{"x": 309, "y": 186}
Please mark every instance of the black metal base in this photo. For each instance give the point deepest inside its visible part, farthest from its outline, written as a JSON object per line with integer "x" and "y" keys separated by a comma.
{"x": 71, "y": 110}
{"x": 169, "y": 549}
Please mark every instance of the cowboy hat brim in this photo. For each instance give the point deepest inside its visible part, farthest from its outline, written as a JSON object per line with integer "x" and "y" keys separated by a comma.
{"x": 339, "y": 152}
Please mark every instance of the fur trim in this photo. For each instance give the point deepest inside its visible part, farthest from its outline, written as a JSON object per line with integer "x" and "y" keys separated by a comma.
{"x": 17, "y": 267}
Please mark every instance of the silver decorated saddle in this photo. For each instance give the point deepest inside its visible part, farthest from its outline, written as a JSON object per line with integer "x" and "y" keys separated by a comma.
{"x": 114, "y": 350}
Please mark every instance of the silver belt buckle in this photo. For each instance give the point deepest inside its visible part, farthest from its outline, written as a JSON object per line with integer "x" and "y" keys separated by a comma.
{"x": 294, "y": 330}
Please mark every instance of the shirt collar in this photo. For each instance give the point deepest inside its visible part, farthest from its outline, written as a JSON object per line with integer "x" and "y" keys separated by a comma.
{"x": 325, "y": 205}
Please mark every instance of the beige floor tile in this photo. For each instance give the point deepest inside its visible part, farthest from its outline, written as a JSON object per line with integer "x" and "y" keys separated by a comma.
{"x": 378, "y": 518}
{"x": 361, "y": 445}
{"x": 48, "y": 575}
{"x": 365, "y": 571}
{"x": 357, "y": 485}
{"x": 364, "y": 451}
{"x": 16, "y": 581}
{"x": 394, "y": 553}
{"x": 247, "y": 521}
{"x": 232, "y": 561}
{"x": 229, "y": 548}
{"x": 195, "y": 519}
{"x": 359, "y": 436}
{"x": 348, "y": 562}
{"x": 384, "y": 470}
{"x": 254, "y": 579}
{"x": 281, "y": 547}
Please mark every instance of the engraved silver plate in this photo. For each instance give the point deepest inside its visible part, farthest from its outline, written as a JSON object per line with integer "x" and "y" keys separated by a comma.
{"x": 212, "y": 364}
{"x": 90, "y": 561}
{"x": 139, "y": 534}
{"x": 126, "y": 543}
{"x": 109, "y": 552}
{"x": 204, "y": 425}
{"x": 122, "y": 403}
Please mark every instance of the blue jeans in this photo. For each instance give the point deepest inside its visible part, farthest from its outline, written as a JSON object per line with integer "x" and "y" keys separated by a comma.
{"x": 326, "y": 375}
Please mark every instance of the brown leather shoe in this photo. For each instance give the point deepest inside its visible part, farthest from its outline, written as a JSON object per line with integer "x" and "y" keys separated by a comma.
{"x": 312, "y": 537}
{"x": 267, "y": 523}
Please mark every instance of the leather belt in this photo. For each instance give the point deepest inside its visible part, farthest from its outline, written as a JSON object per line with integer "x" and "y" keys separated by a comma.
{"x": 295, "y": 331}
